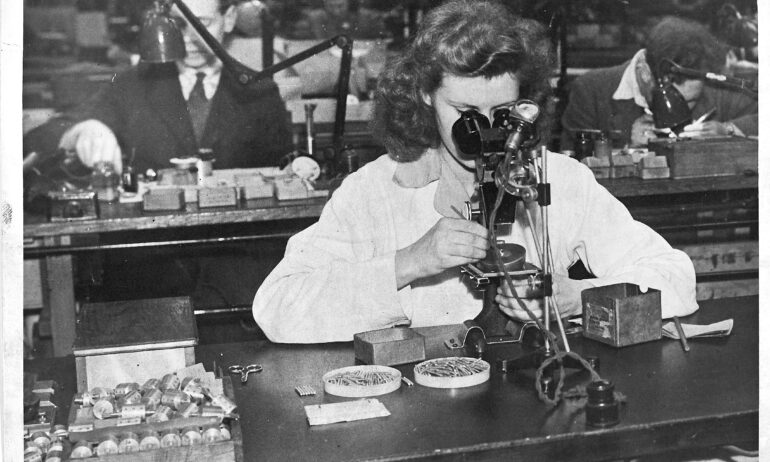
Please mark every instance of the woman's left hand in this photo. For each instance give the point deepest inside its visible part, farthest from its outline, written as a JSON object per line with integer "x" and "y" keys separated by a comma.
{"x": 567, "y": 298}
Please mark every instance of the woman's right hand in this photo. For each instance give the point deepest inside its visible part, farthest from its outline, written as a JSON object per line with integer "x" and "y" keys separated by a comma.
{"x": 451, "y": 242}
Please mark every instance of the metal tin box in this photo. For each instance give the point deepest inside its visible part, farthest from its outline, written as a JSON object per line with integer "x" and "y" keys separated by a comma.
{"x": 621, "y": 314}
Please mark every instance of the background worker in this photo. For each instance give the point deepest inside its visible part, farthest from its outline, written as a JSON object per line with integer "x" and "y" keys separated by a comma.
{"x": 618, "y": 98}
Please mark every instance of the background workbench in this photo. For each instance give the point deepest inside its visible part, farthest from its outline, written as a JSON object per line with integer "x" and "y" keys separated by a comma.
{"x": 714, "y": 220}
{"x": 675, "y": 401}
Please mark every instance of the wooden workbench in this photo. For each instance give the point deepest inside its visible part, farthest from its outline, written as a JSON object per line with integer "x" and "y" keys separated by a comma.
{"x": 675, "y": 401}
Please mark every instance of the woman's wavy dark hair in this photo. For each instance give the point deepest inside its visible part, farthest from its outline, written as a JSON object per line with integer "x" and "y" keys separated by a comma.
{"x": 465, "y": 38}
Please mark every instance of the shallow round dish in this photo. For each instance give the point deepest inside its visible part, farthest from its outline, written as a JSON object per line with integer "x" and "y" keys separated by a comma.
{"x": 362, "y": 381}
{"x": 184, "y": 163}
{"x": 451, "y": 372}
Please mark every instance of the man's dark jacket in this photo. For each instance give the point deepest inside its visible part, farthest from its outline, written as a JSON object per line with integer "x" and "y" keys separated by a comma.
{"x": 146, "y": 110}
{"x": 591, "y": 107}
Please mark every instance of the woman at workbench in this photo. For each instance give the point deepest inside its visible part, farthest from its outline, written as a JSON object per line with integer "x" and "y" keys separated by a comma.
{"x": 389, "y": 244}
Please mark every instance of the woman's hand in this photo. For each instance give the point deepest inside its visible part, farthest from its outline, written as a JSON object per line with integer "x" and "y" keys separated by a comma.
{"x": 451, "y": 242}
{"x": 567, "y": 299}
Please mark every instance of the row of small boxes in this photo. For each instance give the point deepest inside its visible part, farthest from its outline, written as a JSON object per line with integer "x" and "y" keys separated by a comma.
{"x": 637, "y": 163}
{"x": 245, "y": 186}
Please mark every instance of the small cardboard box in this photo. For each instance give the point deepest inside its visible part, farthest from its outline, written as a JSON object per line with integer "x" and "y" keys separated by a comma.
{"x": 621, "y": 314}
{"x": 132, "y": 341}
{"x": 389, "y": 347}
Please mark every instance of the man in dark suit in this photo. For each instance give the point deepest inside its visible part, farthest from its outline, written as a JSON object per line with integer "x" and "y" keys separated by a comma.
{"x": 156, "y": 112}
{"x": 159, "y": 111}
{"x": 616, "y": 98}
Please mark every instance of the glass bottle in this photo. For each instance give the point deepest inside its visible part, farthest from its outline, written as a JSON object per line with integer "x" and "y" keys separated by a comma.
{"x": 584, "y": 145}
{"x": 603, "y": 146}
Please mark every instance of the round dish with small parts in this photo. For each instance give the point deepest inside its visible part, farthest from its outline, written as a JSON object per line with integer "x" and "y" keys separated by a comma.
{"x": 306, "y": 168}
{"x": 362, "y": 381}
{"x": 184, "y": 162}
{"x": 452, "y": 372}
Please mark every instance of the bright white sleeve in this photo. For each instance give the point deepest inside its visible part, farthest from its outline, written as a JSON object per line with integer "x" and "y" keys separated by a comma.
{"x": 616, "y": 248}
{"x": 337, "y": 277}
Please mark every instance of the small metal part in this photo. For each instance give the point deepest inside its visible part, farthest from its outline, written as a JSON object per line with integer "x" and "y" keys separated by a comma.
{"x": 211, "y": 434}
{"x": 133, "y": 397}
{"x": 109, "y": 445}
{"x": 174, "y": 399}
{"x": 81, "y": 450}
{"x": 224, "y": 430}
{"x": 32, "y": 451}
{"x": 129, "y": 442}
{"x": 212, "y": 411}
{"x": 149, "y": 440}
{"x": 305, "y": 390}
{"x": 162, "y": 414}
{"x": 33, "y": 454}
{"x": 103, "y": 408}
{"x": 60, "y": 431}
{"x": 152, "y": 398}
{"x": 244, "y": 370}
{"x": 41, "y": 440}
{"x": 407, "y": 382}
{"x": 170, "y": 439}
{"x": 191, "y": 436}
{"x": 193, "y": 387}
{"x": 169, "y": 382}
{"x": 130, "y": 411}
{"x": 187, "y": 410}
{"x": 149, "y": 386}
{"x": 225, "y": 403}
{"x": 123, "y": 389}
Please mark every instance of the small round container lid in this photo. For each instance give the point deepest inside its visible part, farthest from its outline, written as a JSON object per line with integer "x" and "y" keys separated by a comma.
{"x": 183, "y": 162}
{"x": 451, "y": 372}
{"x": 362, "y": 381}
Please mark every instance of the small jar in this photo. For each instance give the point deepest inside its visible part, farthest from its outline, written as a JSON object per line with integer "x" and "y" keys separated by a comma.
{"x": 105, "y": 181}
{"x": 584, "y": 145}
{"x": 603, "y": 147}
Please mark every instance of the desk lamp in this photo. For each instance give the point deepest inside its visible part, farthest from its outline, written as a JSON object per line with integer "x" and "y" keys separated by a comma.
{"x": 669, "y": 108}
{"x": 161, "y": 41}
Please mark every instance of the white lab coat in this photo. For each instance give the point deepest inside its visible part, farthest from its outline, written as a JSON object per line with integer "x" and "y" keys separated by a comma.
{"x": 337, "y": 277}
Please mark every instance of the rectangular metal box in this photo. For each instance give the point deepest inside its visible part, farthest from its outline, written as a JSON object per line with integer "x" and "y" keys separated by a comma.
{"x": 621, "y": 314}
{"x": 708, "y": 157}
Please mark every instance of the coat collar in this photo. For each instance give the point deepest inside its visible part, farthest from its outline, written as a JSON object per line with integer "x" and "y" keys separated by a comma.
{"x": 450, "y": 197}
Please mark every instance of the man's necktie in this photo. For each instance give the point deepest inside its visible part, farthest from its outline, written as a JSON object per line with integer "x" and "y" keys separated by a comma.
{"x": 198, "y": 106}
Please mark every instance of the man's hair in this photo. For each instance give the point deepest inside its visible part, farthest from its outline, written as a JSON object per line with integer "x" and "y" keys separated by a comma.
{"x": 687, "y": 43}
{"x": 464, "y": 38}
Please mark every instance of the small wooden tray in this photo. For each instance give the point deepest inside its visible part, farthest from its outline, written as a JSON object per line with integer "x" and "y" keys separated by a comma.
{"x": 374, "y": 381}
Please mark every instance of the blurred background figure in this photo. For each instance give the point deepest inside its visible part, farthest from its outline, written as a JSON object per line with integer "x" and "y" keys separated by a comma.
{"x": 618, "y": 98}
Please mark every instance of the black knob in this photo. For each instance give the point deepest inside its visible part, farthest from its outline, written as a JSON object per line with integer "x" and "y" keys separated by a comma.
{"x": 602, "y": 408}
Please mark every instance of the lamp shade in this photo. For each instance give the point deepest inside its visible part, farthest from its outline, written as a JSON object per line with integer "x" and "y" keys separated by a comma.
{"x": 160, "y": 40}
{"x": 669, "y": 108}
